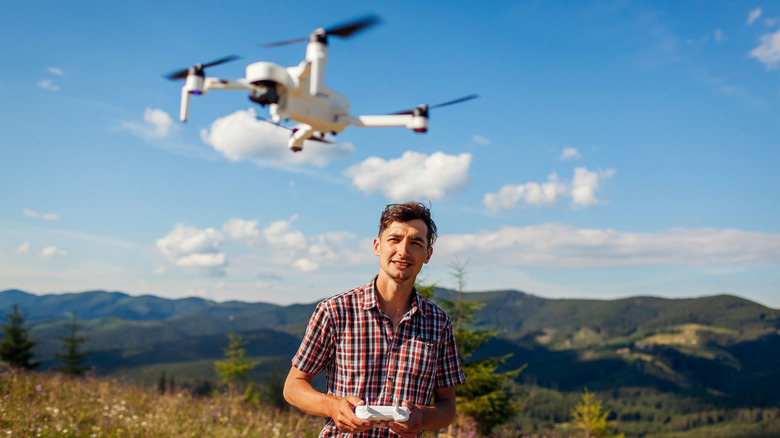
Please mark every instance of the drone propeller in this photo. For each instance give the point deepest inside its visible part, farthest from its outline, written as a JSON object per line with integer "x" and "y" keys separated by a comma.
{"x": 425, "y": 108}
{"x": 198, "y": 68}
{"x": 343, "y": 30}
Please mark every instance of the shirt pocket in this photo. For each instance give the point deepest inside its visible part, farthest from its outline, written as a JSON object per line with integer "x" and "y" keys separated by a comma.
{"x": 418, "y": 359}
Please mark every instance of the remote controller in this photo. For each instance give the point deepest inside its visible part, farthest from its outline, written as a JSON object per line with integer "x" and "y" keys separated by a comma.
{"x": 383, "y": 413}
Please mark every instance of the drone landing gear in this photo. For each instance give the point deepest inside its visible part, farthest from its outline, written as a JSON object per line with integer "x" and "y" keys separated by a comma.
{"x": 300, "y": 134}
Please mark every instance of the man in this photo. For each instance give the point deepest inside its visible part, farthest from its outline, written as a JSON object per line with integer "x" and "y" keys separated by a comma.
{"x": 382, "y": 343}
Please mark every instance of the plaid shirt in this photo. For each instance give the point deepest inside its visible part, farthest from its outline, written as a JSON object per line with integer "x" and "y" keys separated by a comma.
{"x": 353, "y": 341}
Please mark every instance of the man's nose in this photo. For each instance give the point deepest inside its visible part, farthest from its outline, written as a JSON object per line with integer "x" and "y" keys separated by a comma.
{"x": 403, "y": 247}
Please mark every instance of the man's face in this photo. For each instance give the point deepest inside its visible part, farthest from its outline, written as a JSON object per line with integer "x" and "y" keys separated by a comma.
{"x": 403, "y": 250}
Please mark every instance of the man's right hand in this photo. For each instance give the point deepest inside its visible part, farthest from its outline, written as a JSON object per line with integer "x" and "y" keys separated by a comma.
{"x": 345, "y": 418}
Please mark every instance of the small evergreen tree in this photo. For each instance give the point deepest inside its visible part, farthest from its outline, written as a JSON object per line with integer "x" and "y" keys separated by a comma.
{"x": 235, "y": 366}
{"x": 16, "y": 348}
{"x": 487, "y": 396}
{"x": 161, "y": 383}
{"x": 73, "y": 359}
{"x": 590, "y": 418}
{"x": 271, "y": 392}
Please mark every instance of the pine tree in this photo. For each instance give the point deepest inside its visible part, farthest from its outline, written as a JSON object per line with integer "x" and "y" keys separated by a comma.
{"x": 73, "y": 359}
{"x": 15, "y": 348}
{"x": 161, "y": 382}
{"x": 590, "y": 418}
{"x": 235, "y": 366}
{"x": 487, "y": 396}
{"x": 271, "y": 392}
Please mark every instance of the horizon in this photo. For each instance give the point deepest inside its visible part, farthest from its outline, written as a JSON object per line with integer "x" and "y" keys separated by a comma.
{"x": 446, "y": 288}
{"x": 617, "y": 149}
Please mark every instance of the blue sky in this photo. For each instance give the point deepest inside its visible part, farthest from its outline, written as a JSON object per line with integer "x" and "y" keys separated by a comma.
{"x": 618, "y": 149}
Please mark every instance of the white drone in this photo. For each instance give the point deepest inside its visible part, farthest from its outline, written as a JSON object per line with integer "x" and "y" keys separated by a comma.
{"x": 299, "y": 93}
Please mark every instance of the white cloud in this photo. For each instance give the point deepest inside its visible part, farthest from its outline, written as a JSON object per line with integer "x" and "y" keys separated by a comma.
{"x": 753, "y": 16}
{"x": 45, "y": 216}
{"x": 240, "y": 136}
{"x": 305, "y": 265}
{"x": 582, "y": 190}
{"x": 768, "y": 52}
{"x": 188, "y": 246}
{"x": 47, "y": 84}
{"x": 240, "y": 229}
{"x": 586, "y": 184}
{"x": 570, "y": 153}
{"x": 56, "y": 71}
{"x": 530, "y": 193}
{"x": 52, "y": 252}
{"x": 720, "y": 36}
{"x": 23, "y": 248}
{"x": 561, "y": 246}
{"x": 281, "y": 235}
{"x": 157, "y": 124}
{"x": 338, "y": 248}
{"x": 161, "y": 123}
{"x": 480, "y": 139}
{"x": 413, "y": 176}
{"x": 279, "y": 245}
{"x": 203, "y": 260}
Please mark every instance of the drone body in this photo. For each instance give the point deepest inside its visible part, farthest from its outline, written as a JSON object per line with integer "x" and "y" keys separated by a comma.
{"x": 299, "y": 93}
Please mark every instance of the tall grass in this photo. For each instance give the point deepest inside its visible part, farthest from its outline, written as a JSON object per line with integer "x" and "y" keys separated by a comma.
{"x": 55, "y": 405}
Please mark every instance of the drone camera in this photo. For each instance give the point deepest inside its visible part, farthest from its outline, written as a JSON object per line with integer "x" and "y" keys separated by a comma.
{"x": 264, "y": 93}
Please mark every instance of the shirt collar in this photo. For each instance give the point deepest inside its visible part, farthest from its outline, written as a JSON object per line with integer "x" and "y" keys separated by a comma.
{"x": 369, "y": 298}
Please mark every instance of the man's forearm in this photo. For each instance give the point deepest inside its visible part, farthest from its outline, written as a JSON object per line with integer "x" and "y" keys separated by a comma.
{"x": 300, "y": 393}
{"x": 438, "y": 416}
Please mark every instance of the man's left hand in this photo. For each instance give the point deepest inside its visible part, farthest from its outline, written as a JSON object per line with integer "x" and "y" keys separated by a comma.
{"x": 411, "y": 428}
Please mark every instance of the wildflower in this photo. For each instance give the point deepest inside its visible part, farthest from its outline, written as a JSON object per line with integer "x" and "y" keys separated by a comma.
{"x": 38, "y": 388}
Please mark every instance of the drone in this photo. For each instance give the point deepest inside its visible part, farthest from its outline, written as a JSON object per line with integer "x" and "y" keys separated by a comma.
{"x": 299, "y": 93}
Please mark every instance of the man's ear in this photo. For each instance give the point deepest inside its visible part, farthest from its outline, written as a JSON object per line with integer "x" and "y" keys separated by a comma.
{"x": 430, "y": 253}
{"x": 376, "y": 246}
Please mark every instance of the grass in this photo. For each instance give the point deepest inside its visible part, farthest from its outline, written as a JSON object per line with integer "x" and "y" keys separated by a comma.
{"x": 52, "y": 405}
{"x": 55, "y": 405}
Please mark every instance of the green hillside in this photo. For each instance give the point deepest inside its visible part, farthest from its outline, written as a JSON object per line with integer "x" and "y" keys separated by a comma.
{"x": 719, "y": 352}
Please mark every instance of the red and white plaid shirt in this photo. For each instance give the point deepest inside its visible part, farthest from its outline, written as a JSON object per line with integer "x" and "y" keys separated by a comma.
{"x": 353, "y": 341}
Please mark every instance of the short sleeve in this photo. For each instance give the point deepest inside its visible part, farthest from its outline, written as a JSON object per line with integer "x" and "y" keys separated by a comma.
{"x": 316, "y": 349}
{"x": 449, "y": 371}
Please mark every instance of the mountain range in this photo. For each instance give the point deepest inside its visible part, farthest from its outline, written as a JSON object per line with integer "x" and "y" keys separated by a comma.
{"x": 723, "y": 348}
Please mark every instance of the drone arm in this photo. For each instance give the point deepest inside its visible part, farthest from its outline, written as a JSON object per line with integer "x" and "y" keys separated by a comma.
{"x": 416, "y": 123}
{"x": 198, "y": 85}
{"x": 226, "y": 84}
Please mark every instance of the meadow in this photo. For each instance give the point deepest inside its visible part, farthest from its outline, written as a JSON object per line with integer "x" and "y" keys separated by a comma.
{"x": 55, "y": 405}
{"x": 49, "y": 405}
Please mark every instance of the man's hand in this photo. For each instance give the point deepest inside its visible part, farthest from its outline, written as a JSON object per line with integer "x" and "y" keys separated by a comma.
{"x": 344, "y": 416}
{"x": 411, "y": 427}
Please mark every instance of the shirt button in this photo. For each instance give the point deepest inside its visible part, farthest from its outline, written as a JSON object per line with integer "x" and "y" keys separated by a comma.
{"x": 390, "y": 379}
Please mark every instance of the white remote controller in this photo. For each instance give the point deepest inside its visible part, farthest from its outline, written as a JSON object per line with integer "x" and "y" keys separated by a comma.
{"x": 383, "y": 413}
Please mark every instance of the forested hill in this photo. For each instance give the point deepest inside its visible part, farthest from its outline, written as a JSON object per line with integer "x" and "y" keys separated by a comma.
{"x": 512, "y": 312}
{"x": 717, "y": 346}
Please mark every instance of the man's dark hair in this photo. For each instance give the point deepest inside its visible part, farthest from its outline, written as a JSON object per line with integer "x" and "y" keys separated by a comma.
{"x": 408, "y": 212}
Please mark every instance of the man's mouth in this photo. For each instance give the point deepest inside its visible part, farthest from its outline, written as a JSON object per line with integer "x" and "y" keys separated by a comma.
{"x": 402, "y": 264}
